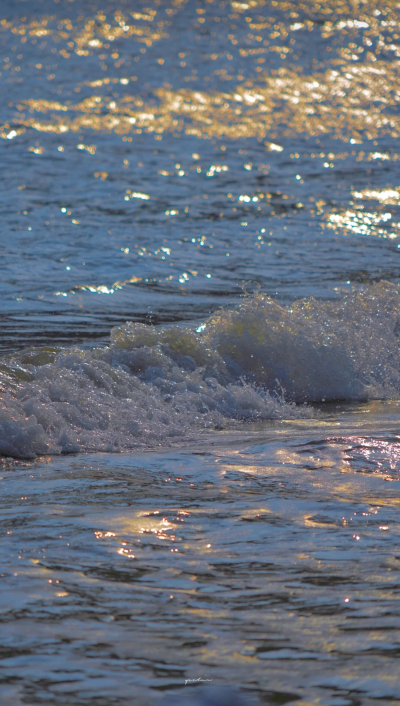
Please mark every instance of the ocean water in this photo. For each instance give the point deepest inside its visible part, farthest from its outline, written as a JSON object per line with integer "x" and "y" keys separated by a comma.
{"x": 200, "y": 352}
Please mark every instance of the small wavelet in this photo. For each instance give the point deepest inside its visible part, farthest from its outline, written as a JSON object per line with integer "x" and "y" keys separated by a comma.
{"x": 153, "y": 386}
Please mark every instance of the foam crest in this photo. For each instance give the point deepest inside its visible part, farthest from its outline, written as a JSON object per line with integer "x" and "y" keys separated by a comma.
{"x": 316, "y": 350}
{"x": 120, "y": 398}
{"x": 154, "y": 386}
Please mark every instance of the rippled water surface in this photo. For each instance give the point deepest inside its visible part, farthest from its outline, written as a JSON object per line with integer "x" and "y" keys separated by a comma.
{"x": 209, "y": 490}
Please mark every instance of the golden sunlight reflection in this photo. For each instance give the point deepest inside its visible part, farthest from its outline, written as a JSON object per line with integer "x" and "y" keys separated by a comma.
{"x": 387, "y": 196}
{"x": 145, "y": 523}
{"x": 95, "y": 33}
{"x": 362, "y": 222}
{"x": 344, "y": 96}
{"x": 236, "y": 468}
{"x": 334, "y": 101}
{"x": 99, "y": 289}
{"x": 129, "y": 530}
{"x": 291, "y": 458}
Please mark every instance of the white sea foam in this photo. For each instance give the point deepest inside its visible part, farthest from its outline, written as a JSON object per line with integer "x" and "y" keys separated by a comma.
{"x": 152, "y": 386}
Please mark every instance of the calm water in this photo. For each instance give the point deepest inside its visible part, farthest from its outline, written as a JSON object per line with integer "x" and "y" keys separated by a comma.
{"x": 200, "y": 350}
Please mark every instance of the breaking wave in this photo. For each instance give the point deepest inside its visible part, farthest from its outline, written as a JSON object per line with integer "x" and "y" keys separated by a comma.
{"x": 153, "y": 386}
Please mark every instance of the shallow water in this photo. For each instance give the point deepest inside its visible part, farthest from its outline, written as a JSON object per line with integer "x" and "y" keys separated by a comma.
{"x": 207, "y": 490}
{"x": 267, "y": 559}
